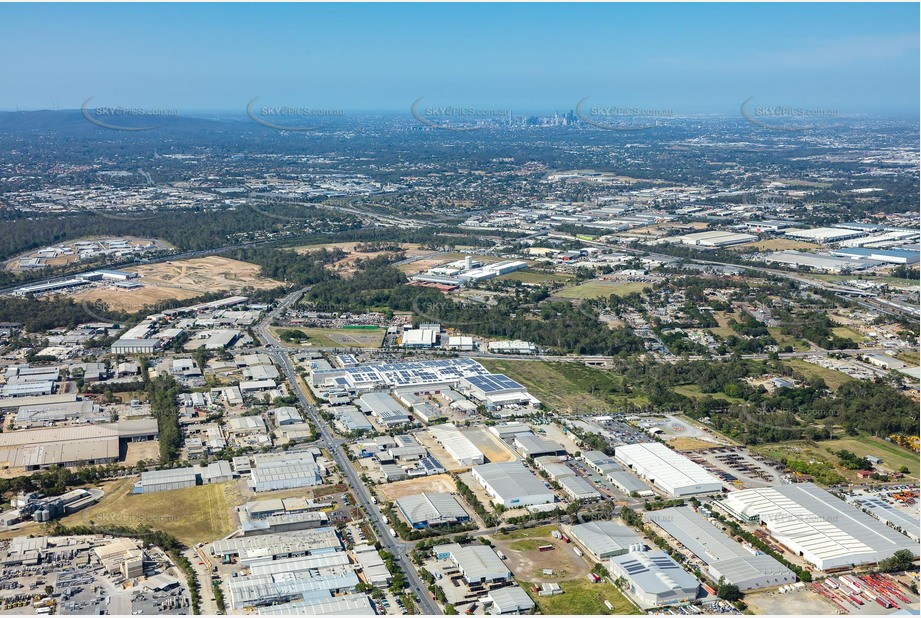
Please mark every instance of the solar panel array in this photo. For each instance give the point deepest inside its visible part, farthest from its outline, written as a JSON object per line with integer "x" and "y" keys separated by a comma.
{"x": 404, "y": 374}
{"x": 492, "y": 383}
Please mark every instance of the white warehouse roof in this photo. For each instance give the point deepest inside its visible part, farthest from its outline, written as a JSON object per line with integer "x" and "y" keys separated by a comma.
{"x": 663, "y": 467}
{"x": 829, "y": 532}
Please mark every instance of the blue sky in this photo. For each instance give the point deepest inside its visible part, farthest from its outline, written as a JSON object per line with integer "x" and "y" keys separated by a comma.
{"x": 689, "y": 58}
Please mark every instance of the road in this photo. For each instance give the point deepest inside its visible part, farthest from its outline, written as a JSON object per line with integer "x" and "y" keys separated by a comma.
{"x": 334, "y": 445}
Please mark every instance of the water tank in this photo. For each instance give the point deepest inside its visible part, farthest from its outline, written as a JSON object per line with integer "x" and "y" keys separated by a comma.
{"x": 637, "y": 548}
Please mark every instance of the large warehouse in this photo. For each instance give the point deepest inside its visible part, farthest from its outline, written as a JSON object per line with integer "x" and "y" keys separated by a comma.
{"x": 384, "y": 408}
{"x": 723, "y": 556}
{"x": 654, "y": 579}
{"x": 512, "y": 485}
{"x": 664, "y": 468}
{"x": 824, "y": 530}
{"x": 432, "y": 509}
{"x": 457, "y": 444}
{"x": 477, "y": 563}
{"x": 825, "y": 234}
{"x": 605, "y": 539}
{"x": 496, "y": 390}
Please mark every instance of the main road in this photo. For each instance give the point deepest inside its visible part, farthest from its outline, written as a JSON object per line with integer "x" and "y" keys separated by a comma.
{"x": 332, "y": 444}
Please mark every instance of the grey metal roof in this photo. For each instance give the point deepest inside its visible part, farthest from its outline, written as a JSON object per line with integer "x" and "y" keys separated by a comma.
{"x": 511, "y": 480}
{"x": 431, "y": 508}
{"x": 605, "y": 538}
{"x": 656, "y": 573}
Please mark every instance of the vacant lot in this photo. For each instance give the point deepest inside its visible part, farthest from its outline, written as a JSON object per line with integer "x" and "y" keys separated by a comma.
{"x": 195, "y": 514}
{"x": 582, "y": 598}
{"x": 439, "y": 483}
{"x": 549, "y": 384}
{"x": 208, "y": 274}
{"x": 533, "y": 276}
{"x": 777, "y": 244}
{"x": 336, "y": 337}
{"x": 847, "y": 333}
{"x": 488, "y": 444}
{"x": 893, "y": 456}
{"x": 691, "y": 444}
{"x": 833, "y": 379}
{"x": 693, "y": 391}
{"x": 131, "y": 301}
{"x": 912, "y": 358}
{"x": 602, "y": 289}
{"x": 528, "y": 562}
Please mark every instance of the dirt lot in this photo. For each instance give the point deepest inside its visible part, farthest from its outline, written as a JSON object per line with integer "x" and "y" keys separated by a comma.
{"x": 528, "y": 562}
{"x": 439, "y": 483}
{"x": 346, "y": 266}
{"x": 182, "y": 280}
{"x": 489, "y": 445}
{"x": 136, "y": 451}
{"x": 208, "y": 274}
{"x": 800, "y": 602}
{"x": 691, "y": 444}
{"x": 436, "y": 450}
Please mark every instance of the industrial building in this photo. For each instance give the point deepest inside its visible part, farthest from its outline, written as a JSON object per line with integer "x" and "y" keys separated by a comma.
{"x": 369, "y": 377}
{"x": 512, "y": 347}
{"x": 716, "y": 238}
{"x": 509, "y": 600}
{"x": 886, "y": 513}
{"x": 457, "y": 444}
{"x": 460, "y": 343}
{"x": 654, "y": 579}
{"x": 813, "y": 523}
{"x": 605, "y": 539}
{"x": 324, "y": 605}
{"x": 530, "y": 445}
{"x": 86, "y": 411}
{"x": 135, "y": 346}
{"x": 825, "y": 234}
{"x": 496, "y": 391}
{"x": 745, "y": 567}
{"x": 384, "y": 408}
{"x": 674, "y": 473}
{"x": 818, "y": 262}
{"x": 629, "y": 484}
{"x": 290, "y": 474}
{"x": 891, "y": 256}
{"x": 352, "y": 420}
{"x": 512, "y": 485}
{"x": 477, "y": 563}
{"x": 578, "y": 488}
{"x": 259, "y": 548}
{"x": 432, "y": 509}
{"x": 35, "y": 449}
{"x": 166, "y": 480}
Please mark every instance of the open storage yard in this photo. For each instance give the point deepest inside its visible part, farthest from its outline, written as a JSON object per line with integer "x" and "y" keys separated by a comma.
{"x": 439, "y": 483}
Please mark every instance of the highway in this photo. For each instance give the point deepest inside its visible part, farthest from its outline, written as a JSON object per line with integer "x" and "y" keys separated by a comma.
{"x": 334, "y": 445}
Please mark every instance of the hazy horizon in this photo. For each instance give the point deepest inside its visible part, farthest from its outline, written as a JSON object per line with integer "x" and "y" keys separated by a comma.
{"x": 530, "y": 58}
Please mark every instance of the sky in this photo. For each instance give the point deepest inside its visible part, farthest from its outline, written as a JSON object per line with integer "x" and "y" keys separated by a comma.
{"x": 853, "y": 58}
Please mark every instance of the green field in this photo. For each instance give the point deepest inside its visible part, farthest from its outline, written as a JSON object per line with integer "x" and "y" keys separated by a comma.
{"x": 335, "y": 337}
{"x": 893, "y": 456}
{"x": 533, "y": 276}
{"x": 526, "y": 544}
{"x": 581, "y": 597}
{"x": 846, "y": 333}
{"x": 540, "y": 532}
{"x": 193, "y": 515}
{"x": 564, "y": 387}
{"x": 693, "y": 391}
{"x": 912, "y": 358}
{"x": 832, "y": 378}
{"x": 798, "y": 345}
{"x": 602, "y": 289}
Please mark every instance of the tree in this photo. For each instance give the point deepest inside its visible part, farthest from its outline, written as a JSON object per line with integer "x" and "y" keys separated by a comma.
{"x": 899, "y": 561}
{"x": 728, "y": 592}
{"x": 904, "y": 470}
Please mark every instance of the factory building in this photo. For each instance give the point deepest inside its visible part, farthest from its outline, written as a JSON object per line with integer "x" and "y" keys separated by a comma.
{"x": 274, "y": 475}
{"x": 578, "y": 488}
{"x": 385, "y": 409}
{"x": 512, "y": 485}
{"x": 509, "y": 600}
{"x": 629, "y": 484}
{"x": 825, "y": 234}
{"x": 530, "y": 445}
{"x": 605, "y": 539}
{"x": 324, "y": 605}
{"x": 746, "y": 568}
{"x": 496, "y": 391}
{"x": 654, "y": 579}
{"x": 457, "y": 444}
{"x": 476, "y": 563}
{"x": 166, "y": 480}
{"x": 716, "y": 238}
{"x": 891, "y": 256}
{"x": 260, "y": 548}
{"x": 512, "y": 347}
{"x": 813, "y": 523}
{"x": 432, "y": 509}
{"x": 664, "y": 468}
{"x": 135, "y": 346}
